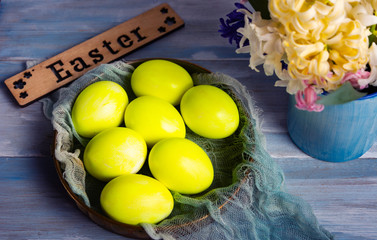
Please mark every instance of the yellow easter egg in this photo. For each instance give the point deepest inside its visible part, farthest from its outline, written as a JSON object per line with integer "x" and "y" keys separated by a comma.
{"x": 209, "y": 112}
{"x": 135, "y": 199}
{"x": 99, "y": 106}
{"x": 161, "y": 78}
{"x": 155, "y": 119}
{"x": 114, "y": 152}
{"x": 181, "y": 165}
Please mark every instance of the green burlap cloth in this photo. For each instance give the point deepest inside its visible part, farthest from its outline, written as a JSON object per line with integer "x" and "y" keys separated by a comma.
{"x": 246, "y": 199}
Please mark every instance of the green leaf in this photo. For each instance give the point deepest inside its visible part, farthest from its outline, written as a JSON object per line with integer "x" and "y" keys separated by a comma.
{"x": 344, "y": 94}
{"x": 261, "y": 6}
{"x": 372, "y": 37}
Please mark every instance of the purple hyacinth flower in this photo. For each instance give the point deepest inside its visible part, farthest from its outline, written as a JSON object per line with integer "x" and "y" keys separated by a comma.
{"x": 229, "y": 27}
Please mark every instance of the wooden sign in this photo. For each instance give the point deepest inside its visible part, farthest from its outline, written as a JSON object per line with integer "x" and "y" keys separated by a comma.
{"x": 65, "y": 67}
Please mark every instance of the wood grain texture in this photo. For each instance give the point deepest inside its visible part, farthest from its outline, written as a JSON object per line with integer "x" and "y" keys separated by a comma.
{"x": 33, "y": 204}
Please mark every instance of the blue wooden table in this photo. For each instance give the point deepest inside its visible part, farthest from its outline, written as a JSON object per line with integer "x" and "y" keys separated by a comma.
{"x": 33, "y": 203}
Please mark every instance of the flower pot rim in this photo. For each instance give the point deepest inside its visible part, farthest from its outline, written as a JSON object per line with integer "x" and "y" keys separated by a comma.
{"x": 368, "y": 96}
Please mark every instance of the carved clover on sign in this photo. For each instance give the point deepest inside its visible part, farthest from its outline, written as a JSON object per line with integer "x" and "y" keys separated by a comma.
{"x": 24, "y": 94}
{"x": 19, "y": 84}
{"x": 164, "y": 10}
{"x": 170, "y": 21}
{"x": 162, "y": 29}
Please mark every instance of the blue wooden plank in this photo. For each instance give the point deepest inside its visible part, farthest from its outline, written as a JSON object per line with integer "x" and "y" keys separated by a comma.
{"x": 9, "y": 68}
{"x": 41, "y": 30}
{"x": 23, "y": 131}
{"x": 41, "y": 15}
{"x": 34, "y": 204}
{"x": 344, "y": 206}
{"x": 45, "y": 45}
{"x": 315, "y": 169}
{"x": 342, "y": 195}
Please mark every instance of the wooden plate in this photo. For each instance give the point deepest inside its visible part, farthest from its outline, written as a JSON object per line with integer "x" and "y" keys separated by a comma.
{"x": 100, "y": 219}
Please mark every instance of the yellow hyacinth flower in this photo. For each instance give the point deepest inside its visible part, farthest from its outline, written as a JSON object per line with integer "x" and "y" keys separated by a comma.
{"x": 303, "y": 16}
{"x": 321, "y": 42}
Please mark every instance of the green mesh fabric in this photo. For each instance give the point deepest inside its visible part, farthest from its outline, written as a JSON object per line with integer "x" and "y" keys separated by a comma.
{"x": 246, "y": 199}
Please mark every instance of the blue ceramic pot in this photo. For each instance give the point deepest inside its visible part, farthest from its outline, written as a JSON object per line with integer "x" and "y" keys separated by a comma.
{"x": 339, "y": 133}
